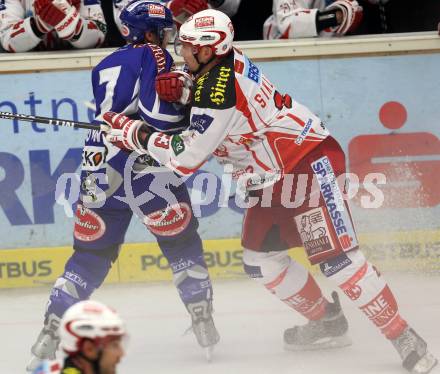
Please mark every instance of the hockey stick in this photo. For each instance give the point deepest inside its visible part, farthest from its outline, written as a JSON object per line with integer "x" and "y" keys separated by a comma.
{"x": 54, "y": 121}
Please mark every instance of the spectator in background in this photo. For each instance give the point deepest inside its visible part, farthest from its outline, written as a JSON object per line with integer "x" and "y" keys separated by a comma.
{"x": 395, "y": 16}
{"x": 181, "y": 9}
{"x": 293, "y": 19}
{"x": 50, "y": 24}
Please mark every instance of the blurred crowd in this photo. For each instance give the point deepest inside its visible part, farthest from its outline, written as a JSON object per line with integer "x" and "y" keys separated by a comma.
{"x": 27, "y": 25}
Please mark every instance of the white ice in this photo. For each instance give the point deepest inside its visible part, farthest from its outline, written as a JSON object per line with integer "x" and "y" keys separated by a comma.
{"x": 251, "y": 323}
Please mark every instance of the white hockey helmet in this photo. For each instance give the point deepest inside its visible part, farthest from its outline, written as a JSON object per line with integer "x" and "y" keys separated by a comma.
{"x": 209, "y": 27}
{"x": 89, "y": 320}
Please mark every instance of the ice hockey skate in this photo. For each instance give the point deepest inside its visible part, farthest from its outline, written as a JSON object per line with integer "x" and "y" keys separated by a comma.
{"x": 414, "y": 353}
{"x": 328, "y": 332}
{"x": 203, "y": 326}
{"x": 46, "y": 345}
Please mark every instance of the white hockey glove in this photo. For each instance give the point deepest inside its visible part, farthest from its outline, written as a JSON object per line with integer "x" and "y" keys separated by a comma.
{"x": 126, "y": 133}
{"x": 351, "y": 15}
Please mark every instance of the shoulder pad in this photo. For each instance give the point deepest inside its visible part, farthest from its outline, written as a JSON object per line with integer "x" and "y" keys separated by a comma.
{"x": 160, "y": 57}
{"x": 216, "y": 88}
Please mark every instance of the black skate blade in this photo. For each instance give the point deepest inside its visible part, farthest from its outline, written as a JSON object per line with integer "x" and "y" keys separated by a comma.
{"x": 325, "y": 343}
{"x": 425, "y": 364}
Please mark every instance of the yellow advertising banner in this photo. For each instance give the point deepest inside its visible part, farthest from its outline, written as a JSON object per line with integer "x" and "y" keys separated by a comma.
{"x": 144, "y": 262}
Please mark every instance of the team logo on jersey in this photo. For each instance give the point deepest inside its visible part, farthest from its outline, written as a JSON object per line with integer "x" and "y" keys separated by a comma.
{"x": 93, "y": 158}
{"x": 221, "y": 151}
{"x": 203, "y": 22}
{"x": 301, "y": 137}
{"x": 200, "y": 122}
{"x": 315, "y": 234}
{"x": 156, "y": 10}
{"x": 89, "y": 226}
{"x": 200, "y": 84}
{"x": 218, "y": 91}
{"x": 177, "y": 144}
{"x": 335, "y": 265}
{"x": 170, "y": 221}
{"x": 162, "y": 141}
{"x": 252, "y": 71}
{"x": 335, "y": 203}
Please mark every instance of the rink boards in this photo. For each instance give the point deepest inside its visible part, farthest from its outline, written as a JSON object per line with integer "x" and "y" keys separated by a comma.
{"x": 378, "y": 96}
{"x": 417, "y": 251}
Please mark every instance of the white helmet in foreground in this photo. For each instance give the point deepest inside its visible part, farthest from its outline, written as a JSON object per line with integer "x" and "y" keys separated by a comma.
{"x": 207, "y": 28}
{"x": 89, "y": 320}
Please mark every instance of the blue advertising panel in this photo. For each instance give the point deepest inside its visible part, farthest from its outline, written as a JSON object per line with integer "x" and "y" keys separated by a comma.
{"x": 383, "y": 110}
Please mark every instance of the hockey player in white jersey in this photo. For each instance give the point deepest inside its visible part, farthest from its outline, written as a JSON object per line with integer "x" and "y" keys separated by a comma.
{"x": 268, "y": 138}
{"x": 51, "y": 24}
{"x": 91, "y": 338}
{"x": 293, "y": 19}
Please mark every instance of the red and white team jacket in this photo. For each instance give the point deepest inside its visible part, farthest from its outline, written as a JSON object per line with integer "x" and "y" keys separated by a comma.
{"x": 293, "y": 19}
{"x": 16, "y": 34}
{"x": 238, "y": 116}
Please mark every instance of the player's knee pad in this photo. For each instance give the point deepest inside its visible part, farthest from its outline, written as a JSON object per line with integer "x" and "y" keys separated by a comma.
{"x": 275, "y": 270}
{"x": 287, "y": 279}
{"x": 84, "y": 272}
{"x": 265, "y": 266}
{"x": 343, "y": 266}
{"x": 357, "y": 277}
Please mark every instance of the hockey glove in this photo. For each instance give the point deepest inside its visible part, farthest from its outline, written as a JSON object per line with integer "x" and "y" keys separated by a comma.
{"x": 351, "y": 15}
{"x": 126, "y": 133}
{"x": 46, "y": 15}
{"x": 62, "y": 15}
{"x": 174, "y": 87}
{"x": 182, "y": 9}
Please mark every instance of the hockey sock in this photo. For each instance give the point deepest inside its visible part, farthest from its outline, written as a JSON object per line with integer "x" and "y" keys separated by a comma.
{"x": 288, "y": 280}
{"x": 363, "y": 284}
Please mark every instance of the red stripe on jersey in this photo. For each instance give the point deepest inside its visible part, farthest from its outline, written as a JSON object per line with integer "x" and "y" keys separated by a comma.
{"x": 242, "y": 105}
{"x": 254, "y": 155}
{"x": 286, "y": 152}
{"x": 187, "y": 171}
{"x": 265, "y": 80}
{"x": 18, "y": 32}
{"x": 299, "y": 121}
{"x": 296, "y": 119}
{"x": 285, "y": 34}
{"x": 269, "y": 90}
{"x": 238, "y": 67}
{"x": 265, "y": 93}
{"x": 268, "y": 31}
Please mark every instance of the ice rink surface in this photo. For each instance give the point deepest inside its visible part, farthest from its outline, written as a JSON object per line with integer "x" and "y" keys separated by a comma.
{"x": 250, "y": 321}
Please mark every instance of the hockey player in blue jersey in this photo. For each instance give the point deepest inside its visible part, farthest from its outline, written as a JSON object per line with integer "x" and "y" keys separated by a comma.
{"x": 115, "y": 184}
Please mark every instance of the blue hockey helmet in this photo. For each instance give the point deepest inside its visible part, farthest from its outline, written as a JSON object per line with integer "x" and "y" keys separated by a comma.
{"x": 141, "y": 16}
